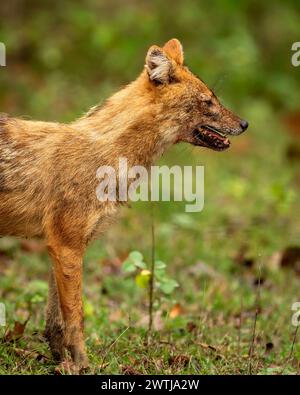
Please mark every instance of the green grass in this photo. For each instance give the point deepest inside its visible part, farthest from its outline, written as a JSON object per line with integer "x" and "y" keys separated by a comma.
{"x": 250, "y": 206}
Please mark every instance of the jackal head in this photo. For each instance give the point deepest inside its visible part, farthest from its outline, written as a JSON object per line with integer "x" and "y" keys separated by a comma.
{"x": 201, "y": 119}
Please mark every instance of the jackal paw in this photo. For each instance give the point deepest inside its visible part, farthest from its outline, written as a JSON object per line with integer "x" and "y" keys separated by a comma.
{"x": 66, "y": 367}
{"x": 55, "y": 341}
{"x": 79, "y": 357}
{"x": 70, "y": 367}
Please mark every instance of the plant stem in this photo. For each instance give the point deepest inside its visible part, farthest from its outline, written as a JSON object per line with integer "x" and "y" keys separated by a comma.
{"x": 257, "y": 307}
{"x": 240, "y": 328}
{"x": 151, "y": 283}
{"x": 291, "y": 351}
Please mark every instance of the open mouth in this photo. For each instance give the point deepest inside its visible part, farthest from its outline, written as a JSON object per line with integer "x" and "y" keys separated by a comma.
{"x": 208, "y": 136}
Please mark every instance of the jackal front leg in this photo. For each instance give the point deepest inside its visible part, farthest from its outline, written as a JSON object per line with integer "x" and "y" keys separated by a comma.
{"x": 55, "y": 326}
{"x": 67, "y": 266}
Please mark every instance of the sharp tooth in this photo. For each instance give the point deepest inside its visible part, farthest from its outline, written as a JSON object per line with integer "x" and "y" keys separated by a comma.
{"x": 216, "y": 131}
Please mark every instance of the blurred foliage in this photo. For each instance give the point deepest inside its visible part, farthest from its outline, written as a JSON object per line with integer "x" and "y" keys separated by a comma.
{"x": 63, "y": 56}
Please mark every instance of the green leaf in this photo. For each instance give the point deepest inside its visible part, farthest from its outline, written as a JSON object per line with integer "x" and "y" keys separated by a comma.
{"x": 168, "y": 285}
{"x": 37, "y": 299}
{"x": 89, "y": 310}
{"x": 143, "y": 278}
{"x": 128, "y": 266}
{"x": 160, "y": 265}
{"x": 160, "y": 274}
{"x": 141, "y": 265}
{"x": 134, "y": 261}
{"x": 185, "y": 221}
{"x": 136, "y": 256}
{"x": 38, "y": 286}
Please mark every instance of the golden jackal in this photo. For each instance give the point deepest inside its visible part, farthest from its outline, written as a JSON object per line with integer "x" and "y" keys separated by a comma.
{"x": 48, "y": 171}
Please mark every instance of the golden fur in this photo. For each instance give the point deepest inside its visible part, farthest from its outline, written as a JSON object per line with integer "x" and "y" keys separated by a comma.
{"x": 48, "y": 172}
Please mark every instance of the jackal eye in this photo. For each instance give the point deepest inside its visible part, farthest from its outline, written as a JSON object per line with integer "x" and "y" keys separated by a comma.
{"x": 209, "y": 103}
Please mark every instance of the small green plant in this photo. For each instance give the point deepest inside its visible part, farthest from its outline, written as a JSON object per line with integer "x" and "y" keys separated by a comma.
{"x": 152, "y": 277}
{"x": 135, "y": 263}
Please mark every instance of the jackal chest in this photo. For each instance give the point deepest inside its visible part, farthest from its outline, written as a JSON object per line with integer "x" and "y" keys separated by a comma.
{"x": 102, "y": 218}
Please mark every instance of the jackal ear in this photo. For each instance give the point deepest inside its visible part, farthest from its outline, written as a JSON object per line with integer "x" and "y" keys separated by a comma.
{"x": 174, "y": 49}
{"x": 158, "y": 65}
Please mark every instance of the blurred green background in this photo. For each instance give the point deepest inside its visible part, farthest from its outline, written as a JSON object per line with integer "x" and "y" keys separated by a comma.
{"x": 65, "y": 56}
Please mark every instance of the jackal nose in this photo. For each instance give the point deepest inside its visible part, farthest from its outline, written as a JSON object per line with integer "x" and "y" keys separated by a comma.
{"x": 244, "y": 124}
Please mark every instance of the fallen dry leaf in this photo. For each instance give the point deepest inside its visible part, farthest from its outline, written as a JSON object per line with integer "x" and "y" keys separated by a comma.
{"x": 32, "y": 354}
{"x": 208, "y": 346}
{"x": 129, "y": 371}
{"x": 179, "y": 361}
{"x": 17, "y": 332}
{"x": 176, "y": 310}
{"x": 191, "y": 326}
{"x": 103, "y": 365}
